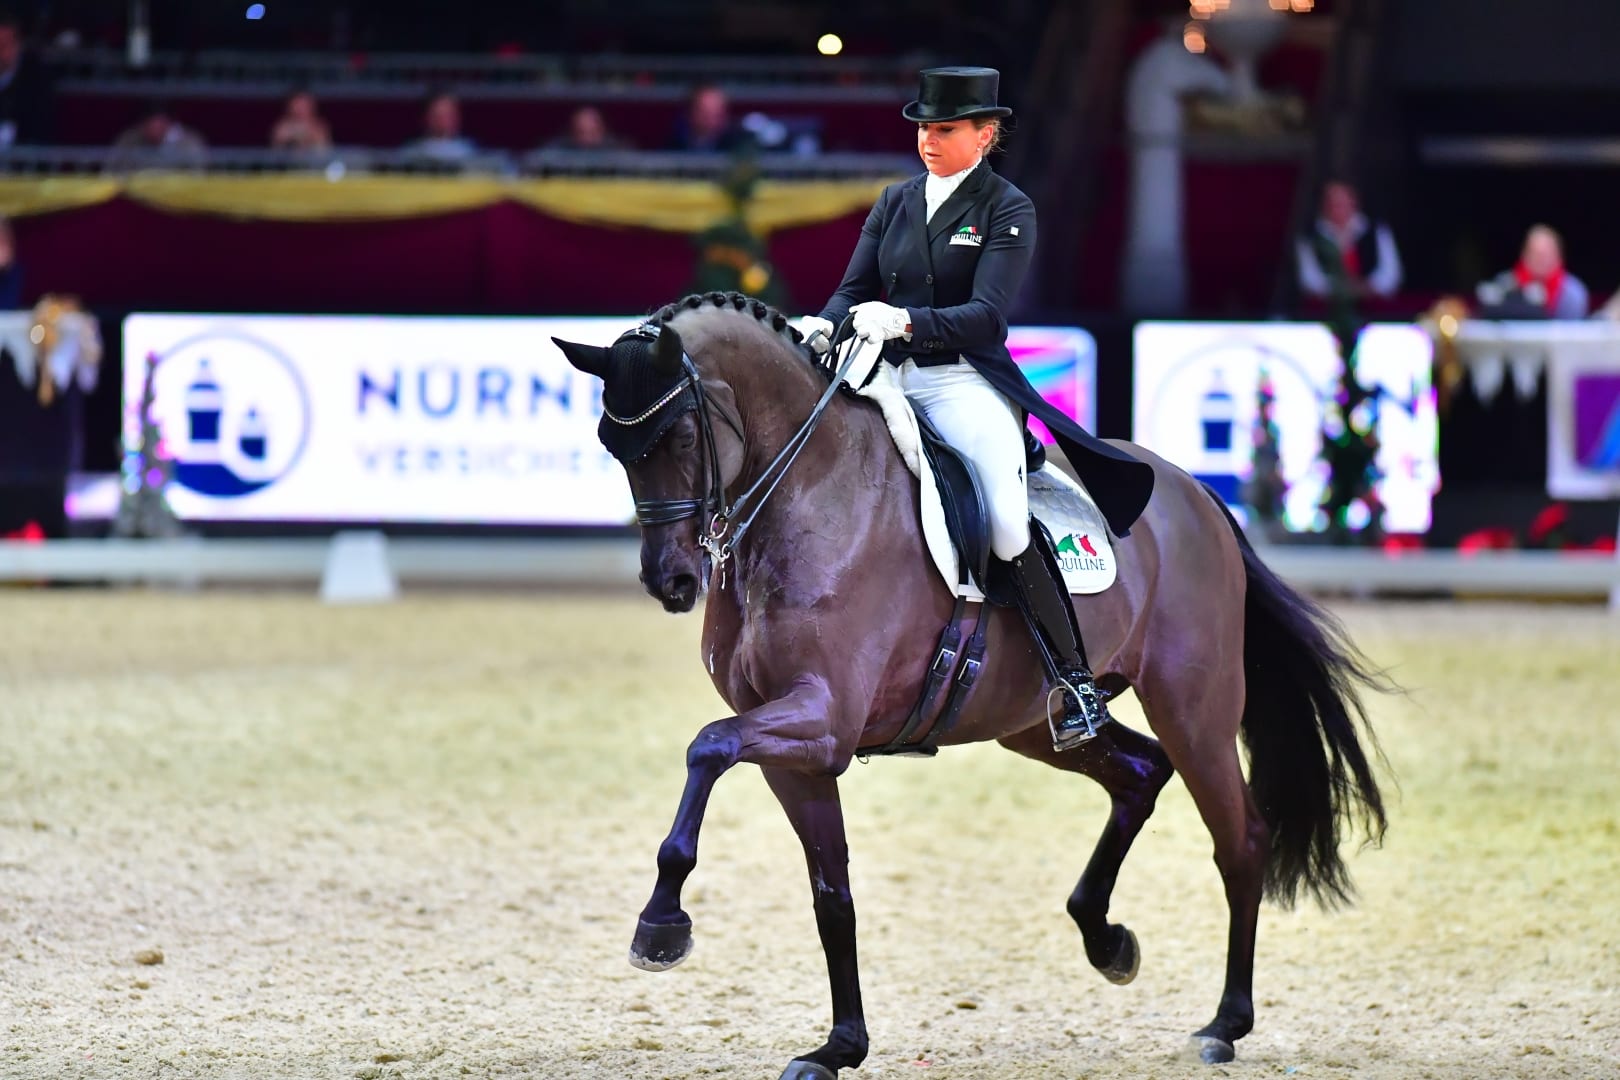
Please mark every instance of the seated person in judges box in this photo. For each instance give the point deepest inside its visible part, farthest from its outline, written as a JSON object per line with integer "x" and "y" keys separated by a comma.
{"x": 1538, "y": 287}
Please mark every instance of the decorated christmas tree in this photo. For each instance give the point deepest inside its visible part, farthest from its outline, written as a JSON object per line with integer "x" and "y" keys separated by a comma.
{"x": 732, "y": 255}
{"x": 143, "y": 510}
{"x": 1349, "y": 425}
{"x": 1266, "y": 488}
{"x": 1350, "y": 449}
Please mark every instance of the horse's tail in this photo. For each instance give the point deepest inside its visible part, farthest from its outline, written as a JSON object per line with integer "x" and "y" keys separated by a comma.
{"x": 1307, "y": 768}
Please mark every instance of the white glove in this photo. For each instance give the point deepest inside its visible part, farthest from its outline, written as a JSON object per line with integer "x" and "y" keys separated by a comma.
{"x": 811, "y": 325}
{"x": 877, "y": 321}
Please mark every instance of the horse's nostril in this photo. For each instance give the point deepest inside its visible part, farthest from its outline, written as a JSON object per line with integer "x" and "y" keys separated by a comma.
{"x": 684, "y": 586}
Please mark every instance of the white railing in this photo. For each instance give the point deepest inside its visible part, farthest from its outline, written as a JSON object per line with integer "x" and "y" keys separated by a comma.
{"x": 615, "y": 561}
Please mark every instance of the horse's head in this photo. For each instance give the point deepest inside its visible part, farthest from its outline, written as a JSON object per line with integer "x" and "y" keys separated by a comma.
{"x": 676, "y": 433}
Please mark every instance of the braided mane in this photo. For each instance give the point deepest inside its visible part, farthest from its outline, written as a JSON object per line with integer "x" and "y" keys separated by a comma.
{"x": 767, "y": 316}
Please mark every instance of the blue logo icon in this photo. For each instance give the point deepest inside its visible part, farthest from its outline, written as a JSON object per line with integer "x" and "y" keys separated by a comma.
{"x": 1217, "y": 416}
{"x": 234, "y": 411}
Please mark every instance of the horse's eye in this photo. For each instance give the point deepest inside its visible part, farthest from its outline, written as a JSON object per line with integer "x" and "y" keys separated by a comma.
{"x": 685, "y": 440}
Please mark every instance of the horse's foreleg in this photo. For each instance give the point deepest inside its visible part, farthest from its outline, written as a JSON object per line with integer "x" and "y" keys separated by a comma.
{"x": 793, "y": 730}
{"x": 1133, "y": 769}
{"x": 812, "y": 806}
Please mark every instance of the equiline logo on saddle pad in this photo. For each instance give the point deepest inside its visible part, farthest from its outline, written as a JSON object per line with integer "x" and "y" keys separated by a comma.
{"x": 969, "y": 235}
{"x": 1075, "y": 554}
{"x": 1078, "y": 531}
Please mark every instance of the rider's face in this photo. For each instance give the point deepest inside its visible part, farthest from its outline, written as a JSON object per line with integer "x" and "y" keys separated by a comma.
{"x": 952, "y": 146}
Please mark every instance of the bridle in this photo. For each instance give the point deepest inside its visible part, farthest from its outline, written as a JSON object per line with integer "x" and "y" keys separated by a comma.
{"x": 727, "y": 523}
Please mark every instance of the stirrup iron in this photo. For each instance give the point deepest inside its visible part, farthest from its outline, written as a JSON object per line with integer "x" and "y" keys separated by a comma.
{"x": 1090, "y": 703}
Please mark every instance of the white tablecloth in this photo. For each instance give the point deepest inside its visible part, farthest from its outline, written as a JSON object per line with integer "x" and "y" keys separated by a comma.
{"x": 1492, "y": 350}
{"x": 70, "y": 361}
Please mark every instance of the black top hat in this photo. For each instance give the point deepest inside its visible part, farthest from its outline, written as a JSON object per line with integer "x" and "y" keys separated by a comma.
{"x": 955, "y": 93}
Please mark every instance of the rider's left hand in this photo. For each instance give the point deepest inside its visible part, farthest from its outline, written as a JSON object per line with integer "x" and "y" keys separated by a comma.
{"x": 877, "y": 321}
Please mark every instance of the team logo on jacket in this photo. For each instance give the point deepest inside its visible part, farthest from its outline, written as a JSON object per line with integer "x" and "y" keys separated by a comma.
{"x": 969, "y": 235}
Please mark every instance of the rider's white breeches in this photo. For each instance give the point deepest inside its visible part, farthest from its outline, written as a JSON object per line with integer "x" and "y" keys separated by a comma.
{"x": 984, "y": 427}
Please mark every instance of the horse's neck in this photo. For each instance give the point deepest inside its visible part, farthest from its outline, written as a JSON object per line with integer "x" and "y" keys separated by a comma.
{"x": 844, "y": 466}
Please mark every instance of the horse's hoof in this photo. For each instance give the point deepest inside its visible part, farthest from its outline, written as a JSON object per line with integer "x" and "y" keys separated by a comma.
{"x": 807, "y": 1070}
{"x": 1210, "y": 1050}
{"x": 660, "y": 946}
{"x": 1126, "y": 963}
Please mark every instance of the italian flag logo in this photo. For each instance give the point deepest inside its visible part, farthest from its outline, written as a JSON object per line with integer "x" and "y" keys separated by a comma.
{"x": 1069, "y": 545}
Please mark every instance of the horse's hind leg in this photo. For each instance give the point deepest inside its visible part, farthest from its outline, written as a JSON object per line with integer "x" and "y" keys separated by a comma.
{"x": 812, "y": 806}
{"x": 1133, "y": 769}
{"x": 1199, "y": 730}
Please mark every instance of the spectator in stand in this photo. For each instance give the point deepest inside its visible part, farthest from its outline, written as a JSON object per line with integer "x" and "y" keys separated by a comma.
{"x": 1347, "y": 248}
{"x": 442, "y": 140}
{"x": 11, "y": 291}
{"x": 706, "y": 126}
{"x": 300, "y": 127}
{"x": 1539, "y": 287}
{"x": 587, "y": 130}
{"x": 26, "y": 96}
{"x": 158, "y": 141}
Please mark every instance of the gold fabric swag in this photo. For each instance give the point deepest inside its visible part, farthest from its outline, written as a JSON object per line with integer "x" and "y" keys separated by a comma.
{"x": 686, "y": 206}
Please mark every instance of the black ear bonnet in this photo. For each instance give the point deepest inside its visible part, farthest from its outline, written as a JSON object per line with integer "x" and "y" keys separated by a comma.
{"x": 640, "y": 402}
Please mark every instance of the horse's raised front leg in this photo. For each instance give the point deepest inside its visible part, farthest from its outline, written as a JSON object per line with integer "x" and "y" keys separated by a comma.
{"x": 812, "y": 806}
{"x": 1133, "y": 769}
{"x": 793, "y": 731}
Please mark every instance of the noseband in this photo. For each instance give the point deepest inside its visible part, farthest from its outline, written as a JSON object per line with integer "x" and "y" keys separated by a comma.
{"x": 727, "y": 523}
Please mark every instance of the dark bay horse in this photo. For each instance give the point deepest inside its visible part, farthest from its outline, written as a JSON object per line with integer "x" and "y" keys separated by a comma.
{"x": 819, "y": 627}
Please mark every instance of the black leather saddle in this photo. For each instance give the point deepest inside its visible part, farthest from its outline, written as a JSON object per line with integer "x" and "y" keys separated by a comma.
{"x": 966, "y": 518}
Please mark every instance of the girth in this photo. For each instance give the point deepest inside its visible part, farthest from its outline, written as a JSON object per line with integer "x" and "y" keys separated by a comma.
{"x": 954, "y": 664}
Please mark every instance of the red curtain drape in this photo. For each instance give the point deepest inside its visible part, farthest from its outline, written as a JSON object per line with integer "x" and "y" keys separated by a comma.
{"x": 503, "y": 258}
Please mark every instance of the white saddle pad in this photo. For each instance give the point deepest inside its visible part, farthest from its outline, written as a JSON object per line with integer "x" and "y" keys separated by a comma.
{"x": 1060, "y": 503}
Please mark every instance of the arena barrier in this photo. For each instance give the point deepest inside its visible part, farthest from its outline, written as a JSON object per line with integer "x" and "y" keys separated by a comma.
{"x": 615, "y": 562}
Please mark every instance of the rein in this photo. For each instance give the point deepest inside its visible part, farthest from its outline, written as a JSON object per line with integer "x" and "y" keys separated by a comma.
{"x": 729, "y": 524}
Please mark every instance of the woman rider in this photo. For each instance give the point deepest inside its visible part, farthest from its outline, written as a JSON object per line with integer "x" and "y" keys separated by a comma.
{"x": 948, "y": 251}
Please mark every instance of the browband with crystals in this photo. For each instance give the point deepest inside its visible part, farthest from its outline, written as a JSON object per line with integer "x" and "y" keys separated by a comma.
{"x": 675, "y": 392}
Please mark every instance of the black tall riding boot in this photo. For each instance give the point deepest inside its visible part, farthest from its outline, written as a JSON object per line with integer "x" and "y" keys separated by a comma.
{"x": 1044, "y": 600}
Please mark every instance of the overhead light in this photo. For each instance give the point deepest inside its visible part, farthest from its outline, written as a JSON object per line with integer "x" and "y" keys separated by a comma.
{"x": 829, "y": 45}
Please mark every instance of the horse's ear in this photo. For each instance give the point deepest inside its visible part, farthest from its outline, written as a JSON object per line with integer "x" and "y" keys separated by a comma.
{"x": 591, "y": 359}
{"x": 668, "y": 351}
